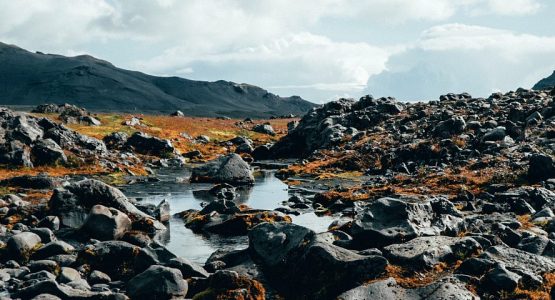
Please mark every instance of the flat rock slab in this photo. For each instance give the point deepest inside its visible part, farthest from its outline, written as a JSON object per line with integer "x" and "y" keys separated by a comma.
{"x": 427, "y": 251}
{"x": 520, "y": 261}
{"x": 447, "y": 288}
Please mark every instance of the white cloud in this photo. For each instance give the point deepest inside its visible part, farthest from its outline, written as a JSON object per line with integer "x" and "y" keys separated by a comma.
{"x": 458, "y": 57}
{"x": 514, "y": 7}
{"x": 283, "y": 44}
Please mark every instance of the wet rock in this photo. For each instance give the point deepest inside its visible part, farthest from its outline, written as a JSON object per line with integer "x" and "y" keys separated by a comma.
{"x": 230, "y": 169}
{"x": 219, "y": 218}
{"x": 118, "y": 259}
{"x": 146, "y": 144}
{"x": 227, "y": 284}
{"x": 307, "y": 265}
{"x": 425, "y": 252}
{"x": 105, "y": 223}
{"x": 157, "y": 282}
{"x": 73, "y": 204}
{"x": 264, "y": 128}
{"x": 23, "y": 244}
{"x": 447, "y": 288}
{"x": 47, "y": 152}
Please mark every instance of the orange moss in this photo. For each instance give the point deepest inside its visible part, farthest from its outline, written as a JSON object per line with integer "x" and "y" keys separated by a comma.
{"x": 525, "y": 222}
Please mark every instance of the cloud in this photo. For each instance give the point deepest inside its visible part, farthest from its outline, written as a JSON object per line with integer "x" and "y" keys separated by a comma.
{"x": 310, "y": 46}
{"x": 458, "y": 57}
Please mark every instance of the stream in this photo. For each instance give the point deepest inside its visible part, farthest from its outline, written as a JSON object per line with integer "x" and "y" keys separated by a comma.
{"x": 267, "y": 193}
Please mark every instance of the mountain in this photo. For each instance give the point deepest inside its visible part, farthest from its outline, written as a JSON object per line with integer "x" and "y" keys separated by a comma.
{"x": 30, "y": 79}
{"x": 545, "y": 84}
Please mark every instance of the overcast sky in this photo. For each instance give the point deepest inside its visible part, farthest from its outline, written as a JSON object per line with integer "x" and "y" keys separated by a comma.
{"x": 320, "y": 50}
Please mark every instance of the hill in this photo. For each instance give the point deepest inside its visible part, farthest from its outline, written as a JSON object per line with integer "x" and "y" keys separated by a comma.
{"x": 546, "y": 83}
{"x": 28, "y": 78}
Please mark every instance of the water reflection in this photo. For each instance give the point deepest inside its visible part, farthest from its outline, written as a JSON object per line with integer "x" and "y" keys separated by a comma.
{"x": 267, "y": 193}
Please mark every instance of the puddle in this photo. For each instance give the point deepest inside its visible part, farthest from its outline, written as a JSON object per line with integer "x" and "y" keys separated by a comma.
{"x": 267, "y": 193}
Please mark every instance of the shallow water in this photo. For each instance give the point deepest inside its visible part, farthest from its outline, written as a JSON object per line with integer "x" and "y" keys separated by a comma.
{"x": 267, "y": 193}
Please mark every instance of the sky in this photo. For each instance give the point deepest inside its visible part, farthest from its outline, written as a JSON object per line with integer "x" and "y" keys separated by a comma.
{"x": 319, "y": 50}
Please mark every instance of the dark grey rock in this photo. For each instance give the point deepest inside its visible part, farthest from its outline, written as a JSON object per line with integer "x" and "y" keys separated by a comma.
{"x": 157, "y": 282}
{"x": 106, "y": 223}
{"x": 146, "y": 144}
{"x": 425, "y": 252}
{"x": 447, "y": 288}
{"x": 227, "y": 169}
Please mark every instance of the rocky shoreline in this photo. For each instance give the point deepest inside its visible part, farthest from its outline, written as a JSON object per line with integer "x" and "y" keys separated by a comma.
{"x": 451, "y": 199}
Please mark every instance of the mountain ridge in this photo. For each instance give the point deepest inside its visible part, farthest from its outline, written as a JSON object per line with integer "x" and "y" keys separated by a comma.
{"x": 28, "y": 78}
{"x": 546, "y": 83}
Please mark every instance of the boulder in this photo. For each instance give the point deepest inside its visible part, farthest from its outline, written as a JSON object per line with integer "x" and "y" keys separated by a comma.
{"x": 449, "y": 127}
{"x": 301, "y": 264}
{"x": 73, "y": 204}
{"x": 146, "y": 144}
{"x": 540, "y": 167}
{"x": 389, "y": 289}
{"x": 425, "y": 252}
{"x": 500, "y": 279}
{"x": 118, "y": 259}
{"x": 106, "y": 223}
{"x": 389, "y": 220}
{"x": 52, "y": 249}
{"x": 21, "y": 245}
{"x": 230, "y": 169}
{"x": 157, "y": 282}
{"x": 264, "y": 128}
{"x": 47, "y": 152}
{"x": 115, "y": 140}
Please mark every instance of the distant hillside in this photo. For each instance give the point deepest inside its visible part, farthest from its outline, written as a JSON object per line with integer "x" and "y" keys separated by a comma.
{"x": 546, "y": 84}
{"x": 28, "y": 78}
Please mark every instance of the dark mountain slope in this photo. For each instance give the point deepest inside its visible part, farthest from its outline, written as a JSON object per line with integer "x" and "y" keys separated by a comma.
{"x": 546, "y": 84}
{"x": 28, "y": 78}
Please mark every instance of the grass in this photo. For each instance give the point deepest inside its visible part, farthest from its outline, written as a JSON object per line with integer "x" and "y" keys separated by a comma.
{"x": 172, "y": 128}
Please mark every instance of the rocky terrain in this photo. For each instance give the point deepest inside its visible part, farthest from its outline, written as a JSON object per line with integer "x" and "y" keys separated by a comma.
{"x": 31, "y": 79}
{"x": 451, "y": 199}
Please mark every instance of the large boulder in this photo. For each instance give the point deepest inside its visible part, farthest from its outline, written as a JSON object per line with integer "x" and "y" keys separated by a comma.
{"x": 157, "y": 282}
{"x": 301, "y": 264}
{"x": 226, "y": 169}
{"x": 73, "y": 204}
{"x": 389, "y": 220}
{"x": 106, "y": 223}
{"x": 389, "y": 289}
{"x": 146, "y": 144}
{"x": 21, "y": 245}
